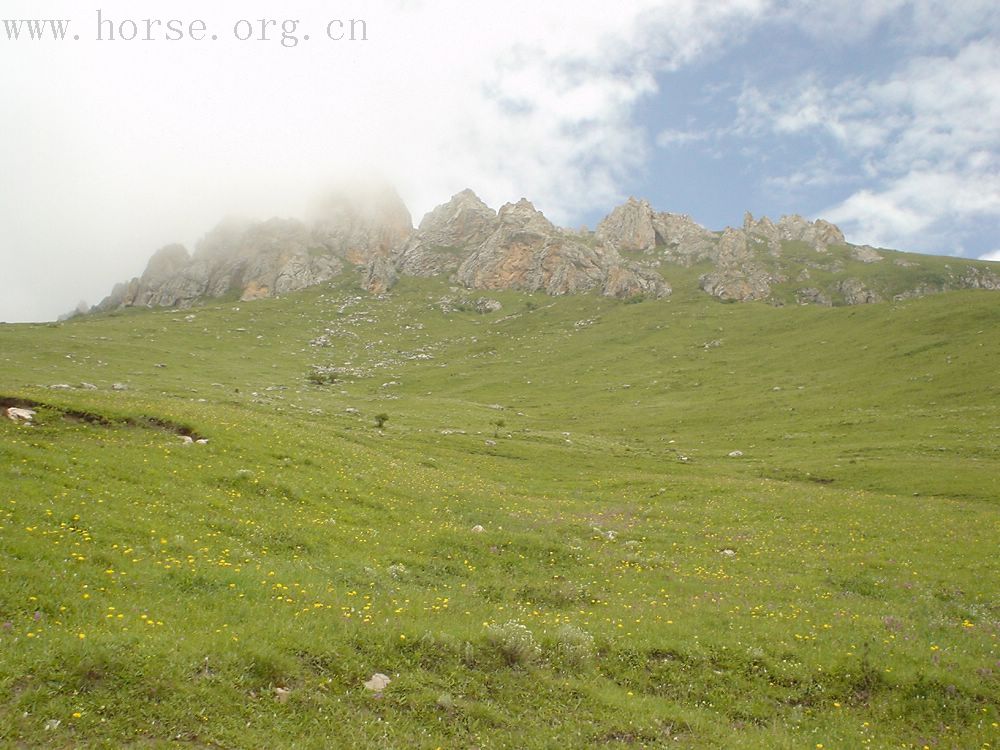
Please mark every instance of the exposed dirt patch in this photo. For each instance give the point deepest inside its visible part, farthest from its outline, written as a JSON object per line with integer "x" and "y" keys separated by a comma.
{"x": 89, "y": 417}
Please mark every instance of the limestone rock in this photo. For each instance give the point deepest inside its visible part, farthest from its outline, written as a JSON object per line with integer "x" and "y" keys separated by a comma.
{"x": 360, "y": 222}
{"x": 684, "y": 240}
{"x": 812, "y": 296}
{"x": 819, "y": 234}
{"x": 635, "y": 227}
{"x": 763, "y": 230}
{"x": 378, "y": 682}
{"x": 265, "y": 259}
{"x": 866, "y": 254}
{"x": 980, "y": 278}
{"x": 738, "y": 277}
{"x": 629, "y": 228}
{"x": 625, "y": 282}
{"x": 15, "y": 414}
{"x": 447, "y": 236}
{"x": 379, "y": 276}
{"x": 527, "y": 252}
{"x": 856, "y": 293}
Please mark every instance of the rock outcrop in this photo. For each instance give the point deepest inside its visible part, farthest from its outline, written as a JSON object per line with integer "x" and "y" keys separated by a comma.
{"x": 527, "y": 252}
{"x": 634, "y": 227}
{"x": 856, "y": 293}
{"x": 447, "y": 236}
{"x": 629, "y": 228}
{"x": 739, "y": 275}
{"x": 362, "y": 222}
{"x": 630, "y": 254}
{"x": 253, "y": 260}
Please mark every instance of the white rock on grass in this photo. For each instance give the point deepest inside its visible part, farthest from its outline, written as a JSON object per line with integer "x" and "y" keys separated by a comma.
{"x": 20, "y": 415}
{"x": 377, "y": 683}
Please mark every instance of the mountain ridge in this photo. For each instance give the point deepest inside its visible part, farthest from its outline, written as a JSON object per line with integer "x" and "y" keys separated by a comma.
{"x": 635, "y": 251}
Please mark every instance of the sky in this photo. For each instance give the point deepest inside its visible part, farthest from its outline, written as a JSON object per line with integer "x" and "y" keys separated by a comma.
{"x": 882, "y": 116}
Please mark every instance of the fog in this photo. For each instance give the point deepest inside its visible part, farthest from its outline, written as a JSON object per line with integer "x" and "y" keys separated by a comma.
{"x": 112, "y": 149}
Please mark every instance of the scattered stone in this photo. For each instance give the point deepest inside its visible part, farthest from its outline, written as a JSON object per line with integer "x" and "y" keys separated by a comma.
{"x": 377, "y": 683}
{"x": 20, "y": 415}
{"x": 812, "y": 296}
{"x": 186, "y": 439}
{"x": 281, "y": 695}
{"x": 119, "y": 387}
{"x": 61, "y": 387}
{"x": 485, "y": 305}
{"x": 736, "y": 454}
{"x": 491, "y": 443}
{"x": 88, "y": 386}
{"x": 866, "y": 254}
{"x": 856, "y": 293}
{"x": 477, "y": 529}
{"x": 728, "y": 552}
{"x": 52, "y": 724}
{"x": 202, "y": 441}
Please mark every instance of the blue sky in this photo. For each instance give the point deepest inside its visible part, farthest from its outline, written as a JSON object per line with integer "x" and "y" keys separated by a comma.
{"x": 873, "y": 125}
{"x": 880, "y": 115}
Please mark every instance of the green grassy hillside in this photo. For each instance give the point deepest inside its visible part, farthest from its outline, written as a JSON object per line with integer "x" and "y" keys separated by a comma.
{"x": 632, "y": 585}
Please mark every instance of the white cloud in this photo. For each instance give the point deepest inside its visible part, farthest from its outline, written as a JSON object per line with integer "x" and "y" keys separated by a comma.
{"x": 928, "y": 137}
{"x": 670, "y": 138}
{"x": 995, "y": 255}
{"x": 113, "y": 149}
{"x": 913, "y": 24}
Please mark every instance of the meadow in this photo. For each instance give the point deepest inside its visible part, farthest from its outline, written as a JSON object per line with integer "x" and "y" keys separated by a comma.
{"x": 582, "y": 523}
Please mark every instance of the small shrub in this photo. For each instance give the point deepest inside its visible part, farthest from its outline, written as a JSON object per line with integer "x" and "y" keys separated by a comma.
{"x": 514, "y": 642}
{"x": 381, "y": 419}
{"x": 322, "y": 376}
{"x": 574, "y": 646}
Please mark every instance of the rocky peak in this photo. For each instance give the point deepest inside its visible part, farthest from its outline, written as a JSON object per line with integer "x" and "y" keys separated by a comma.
{"x": 820, "y": 234}
{"x": 629, "y": 228}
{"x": 528, "y": 252}
{"x": 165, "y": 262}
{"x": 519, "y": 248}
{"x": 524, "y": 216}
{"x": 462, "y": 220}
{"x": 447, "y": 235}
{"x": 763, "y": 230}
{"x": 361, "y": 221}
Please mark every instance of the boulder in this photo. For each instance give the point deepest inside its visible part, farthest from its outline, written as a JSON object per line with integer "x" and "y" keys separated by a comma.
{"x": 856, "y": 293}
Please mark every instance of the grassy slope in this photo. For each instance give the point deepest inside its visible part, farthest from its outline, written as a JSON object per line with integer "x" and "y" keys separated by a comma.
{"x": 860, "y": 608}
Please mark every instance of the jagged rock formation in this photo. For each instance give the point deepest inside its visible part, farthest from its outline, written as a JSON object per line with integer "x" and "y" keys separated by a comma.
{"x": 631, "y": 253}
{"x": 526, "y": 251}
{"x": 438, "y": 244}
{"x": 362, "y": 223}
{"x": 278, "y": 256}
{"x": 635, "y": 227}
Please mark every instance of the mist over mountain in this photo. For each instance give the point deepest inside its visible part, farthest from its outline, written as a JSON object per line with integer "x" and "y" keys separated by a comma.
{"x": 635, "y": 251}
